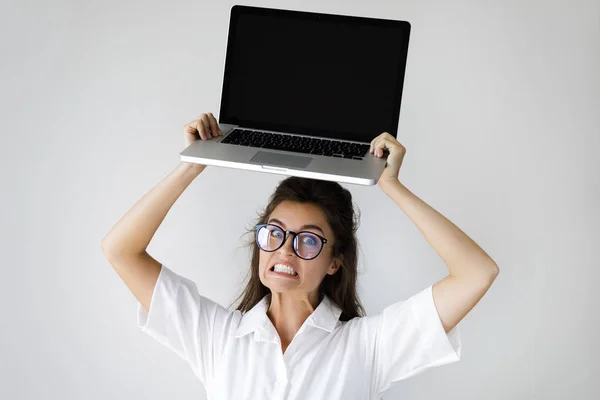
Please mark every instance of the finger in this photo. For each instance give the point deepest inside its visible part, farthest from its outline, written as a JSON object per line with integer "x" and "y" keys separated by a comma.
{"x": 201, "y": 129}
{"x": 213, "y": 125}
{"x": 381, "y": 145}
{"x": 206, "y": 124}
{"x": 374, "y": 144}
{"x": 377, "y": 147}
{"x": 375, "y": 140}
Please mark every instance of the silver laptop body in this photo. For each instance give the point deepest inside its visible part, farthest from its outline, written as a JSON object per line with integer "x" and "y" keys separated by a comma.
{"x": 304, "y": 94}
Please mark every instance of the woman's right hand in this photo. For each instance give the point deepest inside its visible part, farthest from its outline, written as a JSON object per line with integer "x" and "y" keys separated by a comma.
{"x": 205, "y": 128}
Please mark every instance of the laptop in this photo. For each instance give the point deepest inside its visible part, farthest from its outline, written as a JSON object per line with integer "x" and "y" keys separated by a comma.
{"x": 305, "y": 93}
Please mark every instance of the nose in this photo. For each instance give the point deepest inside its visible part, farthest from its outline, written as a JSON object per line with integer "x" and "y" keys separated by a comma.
{"x": 288, "y": 245}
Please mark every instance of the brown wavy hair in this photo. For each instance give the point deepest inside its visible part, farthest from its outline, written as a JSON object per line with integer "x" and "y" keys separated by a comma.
{"x": 336, "y": 203}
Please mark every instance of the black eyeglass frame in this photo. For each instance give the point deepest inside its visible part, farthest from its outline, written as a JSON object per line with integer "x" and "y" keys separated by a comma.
{"x": 294, "y": 242}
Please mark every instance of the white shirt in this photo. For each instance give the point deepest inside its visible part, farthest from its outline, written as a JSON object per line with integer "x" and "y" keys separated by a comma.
{"x": 239, "y": 356}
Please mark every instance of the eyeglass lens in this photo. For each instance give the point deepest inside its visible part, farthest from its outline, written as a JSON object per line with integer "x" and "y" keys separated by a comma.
{"x": 270, "y": 238}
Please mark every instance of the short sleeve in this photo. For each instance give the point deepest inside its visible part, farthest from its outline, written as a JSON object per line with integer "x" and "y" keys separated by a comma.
{"x": 191, "y": 325}
{"x": 407, "y": 338}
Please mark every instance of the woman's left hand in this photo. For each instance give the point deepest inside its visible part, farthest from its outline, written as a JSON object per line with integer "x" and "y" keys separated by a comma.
{"x": 387, "y": 143}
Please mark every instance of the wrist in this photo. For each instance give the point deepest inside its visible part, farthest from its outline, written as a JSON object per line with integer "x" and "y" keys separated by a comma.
{"x": 191, "y": 167}
{"x": 388, "y": 183}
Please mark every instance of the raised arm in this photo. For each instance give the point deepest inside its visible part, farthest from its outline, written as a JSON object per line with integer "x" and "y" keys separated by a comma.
{"x": 126, "y": 243}
{"x": 472, "y": 270}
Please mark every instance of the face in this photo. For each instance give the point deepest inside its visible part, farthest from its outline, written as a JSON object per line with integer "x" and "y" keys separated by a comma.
{"x": 294, "y": 216}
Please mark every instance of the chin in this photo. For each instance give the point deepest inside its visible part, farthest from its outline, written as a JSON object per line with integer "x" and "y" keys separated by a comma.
{"x": 280, "y": 285}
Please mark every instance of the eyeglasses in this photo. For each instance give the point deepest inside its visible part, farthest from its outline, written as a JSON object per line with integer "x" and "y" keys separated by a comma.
{"x": 306, "y": 245}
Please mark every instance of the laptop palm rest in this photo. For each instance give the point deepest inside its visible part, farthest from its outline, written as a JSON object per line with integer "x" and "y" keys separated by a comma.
{"x": 285, "y": 160}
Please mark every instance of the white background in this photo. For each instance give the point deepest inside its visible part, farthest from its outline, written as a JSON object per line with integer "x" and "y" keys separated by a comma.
{"x": 501, "y": 121}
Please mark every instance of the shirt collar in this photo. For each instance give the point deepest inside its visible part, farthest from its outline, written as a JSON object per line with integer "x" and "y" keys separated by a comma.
{"x": 325, "y": 317}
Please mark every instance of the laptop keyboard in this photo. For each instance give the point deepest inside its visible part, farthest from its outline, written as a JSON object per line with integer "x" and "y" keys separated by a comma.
{"x": 299, "y": 144}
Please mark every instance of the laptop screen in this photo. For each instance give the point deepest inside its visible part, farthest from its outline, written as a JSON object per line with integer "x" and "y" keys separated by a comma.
{"x": 314, "y": 74}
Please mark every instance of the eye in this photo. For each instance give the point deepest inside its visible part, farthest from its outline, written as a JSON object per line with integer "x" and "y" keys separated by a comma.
{"x": 309, "y": 240}
{"x": 276, "y": 234}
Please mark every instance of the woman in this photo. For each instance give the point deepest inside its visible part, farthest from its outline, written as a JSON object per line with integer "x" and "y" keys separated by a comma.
{"x": 299, "y": 331}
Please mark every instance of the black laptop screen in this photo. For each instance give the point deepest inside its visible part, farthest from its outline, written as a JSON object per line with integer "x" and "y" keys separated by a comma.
{"x": 314, "y": 74}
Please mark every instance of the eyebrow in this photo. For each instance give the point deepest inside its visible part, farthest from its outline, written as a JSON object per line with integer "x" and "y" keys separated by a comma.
{"x": 307, "y": 226}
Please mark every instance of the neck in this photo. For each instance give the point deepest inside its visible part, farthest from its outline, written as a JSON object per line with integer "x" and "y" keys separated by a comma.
{"x": 288, "y": 312}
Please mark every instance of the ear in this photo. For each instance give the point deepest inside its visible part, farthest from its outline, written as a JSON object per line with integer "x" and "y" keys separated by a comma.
{"x": 335, "y": 265}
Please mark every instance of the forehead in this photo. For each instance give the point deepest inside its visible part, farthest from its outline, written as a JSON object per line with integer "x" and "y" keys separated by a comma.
{"x": 294, "y": 215}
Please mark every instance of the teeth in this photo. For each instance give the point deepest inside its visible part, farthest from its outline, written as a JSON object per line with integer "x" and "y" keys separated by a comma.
{"x": 285, "y": 268}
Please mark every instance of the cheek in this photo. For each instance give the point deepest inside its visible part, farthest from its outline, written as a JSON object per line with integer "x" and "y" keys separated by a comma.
{"x": 262, "y": 262}
{"x": 316, "y": 271}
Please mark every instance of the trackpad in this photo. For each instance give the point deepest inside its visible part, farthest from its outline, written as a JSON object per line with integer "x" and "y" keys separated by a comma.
{"x": 285, "y": 160}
